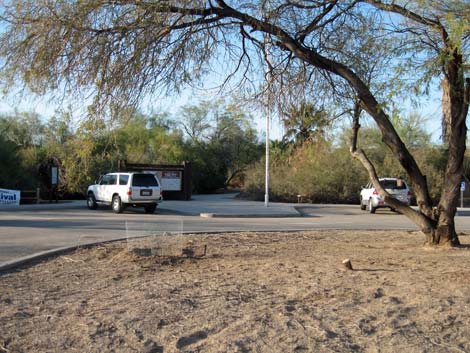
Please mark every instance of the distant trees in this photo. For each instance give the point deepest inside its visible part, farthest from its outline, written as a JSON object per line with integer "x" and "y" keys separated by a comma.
{"x": 303, "y": 123}
{"x": 9, "y": 157}
{"x": 222, "y": 144}
{"x": 220, "y": 152}
{"x": 21, "y": 135}
{"x": 320, "y": 169}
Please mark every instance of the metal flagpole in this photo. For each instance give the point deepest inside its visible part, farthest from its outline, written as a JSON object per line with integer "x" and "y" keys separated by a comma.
{"x": 266, "y": 182}
{"x": 268, "y": 115}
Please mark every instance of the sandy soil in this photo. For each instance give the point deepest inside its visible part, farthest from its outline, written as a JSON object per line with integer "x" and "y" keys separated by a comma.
{"x": 252, "y": 292}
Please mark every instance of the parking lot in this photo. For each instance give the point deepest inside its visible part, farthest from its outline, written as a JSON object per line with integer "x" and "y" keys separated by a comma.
{"x": 31, "y": 229}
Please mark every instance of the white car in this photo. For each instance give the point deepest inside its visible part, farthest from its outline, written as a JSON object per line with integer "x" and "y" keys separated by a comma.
{"x": 396, "y": 187}
{"x": 121, "y": 190}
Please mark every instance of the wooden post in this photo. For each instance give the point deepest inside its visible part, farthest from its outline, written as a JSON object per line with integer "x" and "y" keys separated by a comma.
{"x": 38, "y": 195}
{"x": 187, "y": 180}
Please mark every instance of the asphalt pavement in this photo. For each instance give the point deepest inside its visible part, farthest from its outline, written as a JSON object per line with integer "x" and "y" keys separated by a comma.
{"x": 33, "y": 229}
{"x": 216, "y": 205}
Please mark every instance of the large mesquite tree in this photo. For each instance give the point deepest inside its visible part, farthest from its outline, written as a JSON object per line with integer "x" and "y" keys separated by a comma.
{"x": 443, "y": 30}
{"x": 122, "y": 50}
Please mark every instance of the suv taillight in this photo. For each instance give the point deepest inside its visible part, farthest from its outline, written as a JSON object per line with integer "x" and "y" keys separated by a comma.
{"x": 129, "y": 192}
{"x": 409, "y": 193}
{"x": 375, "y": 192}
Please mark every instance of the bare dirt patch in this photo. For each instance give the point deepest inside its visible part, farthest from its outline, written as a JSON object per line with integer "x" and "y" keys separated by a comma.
{"x": 252, "y": 292}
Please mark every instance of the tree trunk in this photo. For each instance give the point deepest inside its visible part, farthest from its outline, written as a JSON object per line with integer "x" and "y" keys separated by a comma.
{"x": 455, "y": 110}
{"x": 445, "y": 234}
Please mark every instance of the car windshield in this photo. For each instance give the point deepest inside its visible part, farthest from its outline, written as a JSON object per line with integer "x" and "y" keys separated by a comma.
{"x": 144, "y": 180}
{"x": 393, "y": 184}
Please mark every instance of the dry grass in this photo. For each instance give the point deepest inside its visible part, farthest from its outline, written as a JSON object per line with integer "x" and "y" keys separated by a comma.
{"x": 252, "y": 292}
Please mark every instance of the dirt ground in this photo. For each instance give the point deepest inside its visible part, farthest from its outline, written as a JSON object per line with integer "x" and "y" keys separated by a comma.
{"x": 251, "y": 292}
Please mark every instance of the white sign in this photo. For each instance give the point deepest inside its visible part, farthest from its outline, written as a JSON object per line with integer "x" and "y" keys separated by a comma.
{"x": 54, "y": 175}
{"x": 462, "y": 186}
{"x": 9, "y": 197}
{"x": 171, "y": 180}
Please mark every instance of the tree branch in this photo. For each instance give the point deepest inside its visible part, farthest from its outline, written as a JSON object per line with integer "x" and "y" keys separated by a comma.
{"x": 313, "y": 24}
{"x": 401, "y": 10}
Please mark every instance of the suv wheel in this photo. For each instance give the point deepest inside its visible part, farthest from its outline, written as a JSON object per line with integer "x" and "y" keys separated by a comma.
{"x": 91, "y": 201}
{"x": 363, "y": 207}
{"x": 370, "y": 208}
{"x": 150, "y": 208}
{"x": 117, "y": 204}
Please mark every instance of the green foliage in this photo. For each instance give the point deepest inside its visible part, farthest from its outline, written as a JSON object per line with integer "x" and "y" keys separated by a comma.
{"x": 324, "y": 171}
{"x": 22, "y": 129}
{"x": 304, "y": 123}
{"x": 11, "y": 174}
{"x": 411, "y": 129}
{"x": 220, "y": 155}
{"x": 20, "y": 136}
{"x": 221, "y": 143}
{"x": 223, "y": 147}
{"x": 317, "y": 171}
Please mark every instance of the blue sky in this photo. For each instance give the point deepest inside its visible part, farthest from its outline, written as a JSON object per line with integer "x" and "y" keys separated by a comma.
{"x": 46, "y": 107}
{"x": 429, "y": 108}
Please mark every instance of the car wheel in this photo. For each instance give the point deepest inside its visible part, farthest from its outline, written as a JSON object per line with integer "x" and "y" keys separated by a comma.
{"x": 370, "y": 208}
{"x": 363, "y": 207}
{"x": 117, "y": 205}
{"x": 150, "y": 208}
{"x": 91, "y": 202}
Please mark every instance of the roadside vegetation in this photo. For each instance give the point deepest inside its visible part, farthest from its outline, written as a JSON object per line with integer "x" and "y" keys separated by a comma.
{"x": 219, "y": 139}
{"x": 318, "y": 167}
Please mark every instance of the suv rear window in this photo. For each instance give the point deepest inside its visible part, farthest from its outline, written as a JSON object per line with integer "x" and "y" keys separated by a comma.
{"x": 393, "y": 184}
{"x": 144, "y": 180}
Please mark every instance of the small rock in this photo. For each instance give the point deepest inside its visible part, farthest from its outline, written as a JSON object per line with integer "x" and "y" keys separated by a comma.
{"x": 161, "y": 323}
{"x": 365, "y": 324}
{"x": 395, "y": 300}
{"x": 328, "y": 335}
{"x": 347, "y": 264}
{"x": 152, "y": 347}
{"x": 379, "y": 293}
{"x": 23, "y": 314}
{"x": 139, "y": 335}
{"x": 290, "y": 308}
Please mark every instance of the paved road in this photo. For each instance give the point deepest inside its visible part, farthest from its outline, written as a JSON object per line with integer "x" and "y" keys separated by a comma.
{"x": 25, "y": 231}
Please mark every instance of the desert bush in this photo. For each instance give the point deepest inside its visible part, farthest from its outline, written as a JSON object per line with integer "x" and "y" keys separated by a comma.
{"x": 317, "y": 171}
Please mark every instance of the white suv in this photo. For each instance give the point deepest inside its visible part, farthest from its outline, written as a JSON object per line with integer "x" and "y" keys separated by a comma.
{"x": 396, "y": 187}
{"x": 125, "y": 189}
